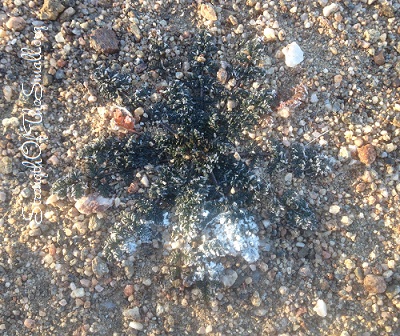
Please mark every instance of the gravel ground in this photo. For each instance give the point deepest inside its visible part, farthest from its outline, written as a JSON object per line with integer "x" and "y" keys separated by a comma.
{"x": 342, "y": 279}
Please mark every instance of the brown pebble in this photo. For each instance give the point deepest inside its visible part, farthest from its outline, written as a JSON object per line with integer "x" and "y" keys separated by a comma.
{"x": 379, "y": 58}
{"x": 29, "y": 323}
{"x": 16, "y": 23}
{"x": 222, "y": 76}
{"x": 61, "y": 63}
{"x": 128, "y": 290}
{"x": 374, "y": 284}
{"x": 208, "y": 12}
{"x": 51, "y": 9}
{"x": 367, "y": 154}
{"x": 387, "y": 10}
{"x": 105, "y": 41}
{"x": 360, "y": 187}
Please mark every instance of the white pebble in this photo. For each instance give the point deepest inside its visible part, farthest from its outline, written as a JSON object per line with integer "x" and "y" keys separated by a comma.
{"x": 288, "y": 178}
{"x": 344, "y": 154}
{"x": 52, "y": 199}
{"x": 320, "y": 308}
{"x": 132, "y": 314}
{"x": 136, "y": 325}
{"x": 78, "y": 293}
{"x": 284, "y": 112}
{"x": 390, "y": 147}
{"x": 145, "y": 181}
{"x": 13, "y": 122}
{"x": 53, "y": 160}
{"x": 269, "y": 34}
{"x": 334, "y": 209}
{"x": 147, "y": 282}
{"x": 367, "y": 129}
{"x": 7, "y": 91}
{"x": 346, "y": 220}
{"x": 314, "y": 98}
{"x": 229, "y": 279}
{"x": 59, "y": 38}
{"x": 293, "y": 54}
{"x": 328, "y": 10}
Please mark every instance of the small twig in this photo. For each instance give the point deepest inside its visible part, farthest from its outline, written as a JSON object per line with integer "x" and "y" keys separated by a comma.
{"x": 169, "y": 129}
{"x": 213, "y": 178}
{"x": 317, "y": 137}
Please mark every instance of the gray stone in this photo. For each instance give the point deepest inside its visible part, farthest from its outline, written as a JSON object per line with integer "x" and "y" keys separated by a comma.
{"x": 229, "y": 278}
{"x": 99, "y": 267}
{"x": 47, "y": 79}
{"x": 129, "y": 271}
{"x": 67, "y": 14}
{"x": 132, "y": 314}
{"x": 60, "y": 74}
{"x": 5, "y": 165}
{"x": 392, "y": 291}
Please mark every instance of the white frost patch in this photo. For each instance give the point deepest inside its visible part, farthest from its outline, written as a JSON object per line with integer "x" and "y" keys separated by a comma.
{"x": 210, "y": 269}
{"x": 229, "y": 235}
{"x": 129, "y": 246}
{"x": 166, "y": 221}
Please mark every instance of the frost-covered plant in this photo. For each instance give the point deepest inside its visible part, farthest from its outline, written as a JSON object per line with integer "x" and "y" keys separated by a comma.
{"x": 127, "y": 235}
{"x": 72, "y": 185}
{"x": 207, "y": 171}
{"x": 111, "y": 84}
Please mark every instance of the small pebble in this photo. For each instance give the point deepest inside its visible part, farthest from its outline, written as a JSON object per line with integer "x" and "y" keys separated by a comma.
{"x": 334, "y": 209}
{"x": 145, "y": 181}
{"x": 128, "y": 290}
{"x": 99, "y": 267}
{"x": 293, "y": 54}
{"x": 255, "y": 299}
{"x": 374, "y": 284}
{"x": 207, "y": 11}
{"x": 29, "y": 323}
{"x": 367, "y": 154}
{"x": 147, "y": 282}
{"x": 59, "y": 38}
{"x": 51, "y": 9}
{"x": 379, "y": 58}
{"x": 229, "y": 278}
{"x": 320, "y": 308}
{"x": 136, "y": 325}
{"x": 78, "y": 293}
{"x": 16, "y": 23}
{"x": 105, "y": 41}
{"x": 10, "y": 122}
{"x": 201, "y": 331}
{"x": 269, "y": 35}
{"x": 7, "y": 91}
{"x": 314, "y": 98}
{"x": 132, "y": 314}
{"x": 328, "y": 10}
